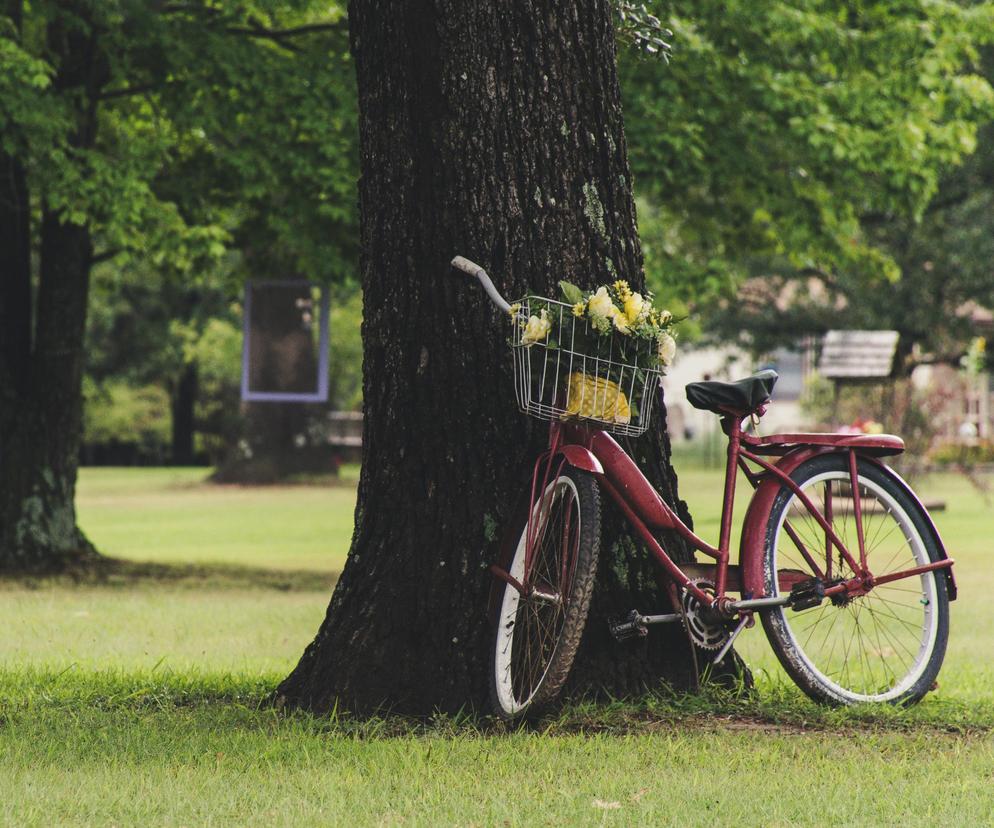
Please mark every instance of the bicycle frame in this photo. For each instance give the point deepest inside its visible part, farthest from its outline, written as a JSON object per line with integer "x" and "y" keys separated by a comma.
{"x": 595, "y": 451}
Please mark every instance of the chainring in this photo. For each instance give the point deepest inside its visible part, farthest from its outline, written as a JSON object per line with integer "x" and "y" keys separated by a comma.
{"x": 705, "y": 632}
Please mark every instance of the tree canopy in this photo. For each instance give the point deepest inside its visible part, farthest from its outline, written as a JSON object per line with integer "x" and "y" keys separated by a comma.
{"x": 210, "y": 126}
{"x": 157, "y": 137}
{"x": 780, "y": 134}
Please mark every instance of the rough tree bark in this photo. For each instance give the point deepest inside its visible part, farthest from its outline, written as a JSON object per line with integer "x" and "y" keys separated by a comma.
{"x": 41, "y": 369}
{"x": 493, "y": 130}
{"x": 182, "y": 406}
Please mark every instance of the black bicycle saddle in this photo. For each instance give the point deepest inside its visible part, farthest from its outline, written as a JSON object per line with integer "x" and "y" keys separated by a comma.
{"x": 741, "y": 397}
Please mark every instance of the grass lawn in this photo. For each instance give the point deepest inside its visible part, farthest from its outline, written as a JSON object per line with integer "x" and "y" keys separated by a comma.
{"x": 172, "y": 516}
{"x": 136, "y": 700}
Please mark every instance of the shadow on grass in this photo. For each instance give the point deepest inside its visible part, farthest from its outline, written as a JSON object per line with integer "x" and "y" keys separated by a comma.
{"x": 232, "y": 701}
{"x": 115, "y": 573}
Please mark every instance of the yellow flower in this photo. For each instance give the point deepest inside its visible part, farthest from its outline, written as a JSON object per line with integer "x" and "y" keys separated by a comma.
{"x": 536, "y": 329}
{"x": 620, "y": 321}
{"x": 635, "y": 308}
{"x": 579, "y": 309}
{"x": 600, "y": 304}
{"x": 665, "y": 349}
{"x": 622, "y": 289}
{"x": 513, "y": 310}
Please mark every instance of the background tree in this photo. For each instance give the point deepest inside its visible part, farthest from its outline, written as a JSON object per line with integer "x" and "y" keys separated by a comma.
{"x": 103, "y": 108}
{"x": 943, "y": 258}
{"x": 782, "y": 133}
{"x": 145, "y": 334}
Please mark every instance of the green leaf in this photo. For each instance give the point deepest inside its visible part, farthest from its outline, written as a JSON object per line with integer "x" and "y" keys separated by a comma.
{"x": 572, "y": 293}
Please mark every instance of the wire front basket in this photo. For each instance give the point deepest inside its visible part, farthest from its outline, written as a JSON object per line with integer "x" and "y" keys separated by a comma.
{"x": 575, "y": 372}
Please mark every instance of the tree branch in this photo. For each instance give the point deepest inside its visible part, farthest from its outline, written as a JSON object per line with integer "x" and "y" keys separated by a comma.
{"x": 817, "y": 272}
{"x": 255, "y": 30}
{"x": 938, "y": 204}
{"x": 127, "y": 91}
{"x": 194, "y": 8}
{"x": 281, "y": 36}
{"x": 106, "y": 255}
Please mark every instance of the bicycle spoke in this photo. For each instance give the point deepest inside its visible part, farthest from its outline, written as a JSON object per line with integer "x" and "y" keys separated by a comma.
{"x": 890, "y": 635}
{"x": 862, "y": 647}
{"x": 534, "y": 622}
{"x": 908, "y": 656}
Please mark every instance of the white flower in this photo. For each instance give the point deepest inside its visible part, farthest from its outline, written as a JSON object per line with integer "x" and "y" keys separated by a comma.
{"x": 665, "y": 349}
{"x": 603, "y": 312}
{"x": 537, "y": 328}
{"x": 600, "y": 304}
{"x": 664, "y": 317}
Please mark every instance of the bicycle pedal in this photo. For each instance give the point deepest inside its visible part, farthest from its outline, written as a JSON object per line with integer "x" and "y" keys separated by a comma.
{"x": 627, "y": 627}
{"x": 807, "y": 594}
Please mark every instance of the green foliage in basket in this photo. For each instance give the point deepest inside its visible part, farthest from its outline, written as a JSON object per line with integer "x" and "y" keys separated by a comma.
{"x": 620, "y": 325}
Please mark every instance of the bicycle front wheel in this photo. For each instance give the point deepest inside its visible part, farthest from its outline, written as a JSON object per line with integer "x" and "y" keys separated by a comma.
{"x": 884, "y": 646}
{"x": 538, "y": 632}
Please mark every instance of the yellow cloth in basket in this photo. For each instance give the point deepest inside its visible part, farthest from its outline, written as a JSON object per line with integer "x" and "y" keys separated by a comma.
{"x": 597, "y": 398}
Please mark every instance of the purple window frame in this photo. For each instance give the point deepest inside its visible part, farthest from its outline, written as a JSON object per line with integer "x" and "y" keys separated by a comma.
{"x": 321, "y": 395}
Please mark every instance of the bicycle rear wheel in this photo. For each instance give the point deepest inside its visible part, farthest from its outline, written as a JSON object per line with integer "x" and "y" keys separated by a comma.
{"x": 884, "y": 646}
{"x": 537, "y": 633}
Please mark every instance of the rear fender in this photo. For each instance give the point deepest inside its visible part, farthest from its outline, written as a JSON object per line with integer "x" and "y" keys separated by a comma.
{"x": 927, "y": 520}
{"x": 755, "y": 527}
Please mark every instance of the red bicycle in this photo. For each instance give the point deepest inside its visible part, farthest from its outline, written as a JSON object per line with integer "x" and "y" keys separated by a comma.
{"x": 838, "y": 556}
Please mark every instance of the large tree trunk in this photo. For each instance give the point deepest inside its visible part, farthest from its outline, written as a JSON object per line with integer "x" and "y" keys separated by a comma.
{"x": 15, "y": 276}
{"x": 15, "y": 262}
{"x": 41, "y": 375}
{"x": 182, "y": 405}
{"x": 493, "y": 130}
{"x": 42, "y": 424}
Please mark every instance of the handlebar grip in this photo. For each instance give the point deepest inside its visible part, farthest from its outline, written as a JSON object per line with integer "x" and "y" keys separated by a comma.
{"x": 466, "y": 266}
{"x": 474, "y": 270}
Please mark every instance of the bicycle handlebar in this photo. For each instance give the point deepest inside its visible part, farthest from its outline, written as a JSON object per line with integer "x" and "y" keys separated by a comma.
{"x": 474, "y": 270}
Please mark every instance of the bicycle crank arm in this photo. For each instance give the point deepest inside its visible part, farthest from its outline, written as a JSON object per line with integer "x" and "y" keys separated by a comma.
{"x": 758, "y": 603}
{"x": 636, "y": 625}
{"x": 669, "y": 618}
{"x": 731, "y": 640}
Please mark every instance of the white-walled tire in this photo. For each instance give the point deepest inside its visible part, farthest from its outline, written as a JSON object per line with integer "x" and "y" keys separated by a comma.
{"x": 536, "y": 636}
{"x": 885, "y": 646}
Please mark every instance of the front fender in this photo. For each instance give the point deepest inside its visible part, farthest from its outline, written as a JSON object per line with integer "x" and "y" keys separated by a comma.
{"x": 575, "y": 456}
{"x": 581, "y": 458}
